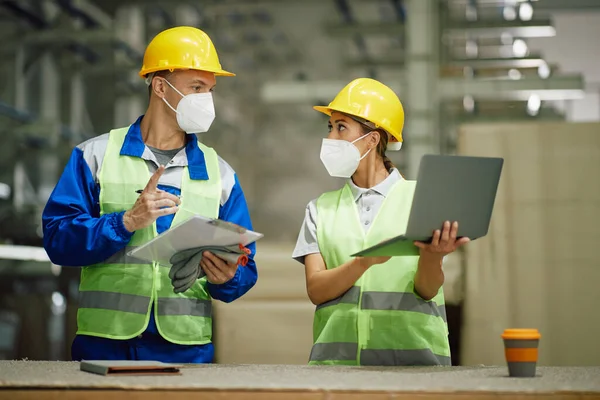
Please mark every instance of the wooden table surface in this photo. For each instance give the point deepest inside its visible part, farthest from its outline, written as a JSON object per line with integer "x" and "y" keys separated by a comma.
{"x": 63, "y": 380}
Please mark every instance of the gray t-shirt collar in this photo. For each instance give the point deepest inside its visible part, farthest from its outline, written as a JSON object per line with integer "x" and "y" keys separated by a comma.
{"x": 383, "y": 187}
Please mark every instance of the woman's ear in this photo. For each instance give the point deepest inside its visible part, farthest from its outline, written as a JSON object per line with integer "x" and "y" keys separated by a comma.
{"x": 374, "y": 139}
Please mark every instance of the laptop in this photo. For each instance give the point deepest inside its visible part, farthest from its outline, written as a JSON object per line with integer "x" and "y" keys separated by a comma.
{"x": 449, "y": 188}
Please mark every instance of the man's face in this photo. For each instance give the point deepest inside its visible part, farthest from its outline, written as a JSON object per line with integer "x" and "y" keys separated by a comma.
{"x": 186, "y": 81}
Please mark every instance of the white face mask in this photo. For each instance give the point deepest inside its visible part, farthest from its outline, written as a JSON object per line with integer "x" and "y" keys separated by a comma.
{"x": 195, "y": 112}
{"x": 340, "y": 157}
{"x": 394, "y": 146}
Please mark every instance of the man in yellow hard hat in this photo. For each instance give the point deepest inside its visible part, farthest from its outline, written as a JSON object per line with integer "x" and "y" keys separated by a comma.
{"x": 121, "y": 189}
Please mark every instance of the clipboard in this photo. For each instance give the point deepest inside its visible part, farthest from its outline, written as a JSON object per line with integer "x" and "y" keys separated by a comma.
{"x": 196, "y": 231}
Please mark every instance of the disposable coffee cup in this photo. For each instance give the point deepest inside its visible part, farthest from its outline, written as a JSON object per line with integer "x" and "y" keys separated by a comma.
{"x": 521, "y": 350}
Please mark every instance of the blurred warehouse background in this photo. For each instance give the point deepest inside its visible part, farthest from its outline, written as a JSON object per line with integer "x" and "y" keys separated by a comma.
{"x": 512, "y": 78}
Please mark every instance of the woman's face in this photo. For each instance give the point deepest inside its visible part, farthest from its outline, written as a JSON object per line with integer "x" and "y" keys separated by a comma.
{"x": 342, "y": 127}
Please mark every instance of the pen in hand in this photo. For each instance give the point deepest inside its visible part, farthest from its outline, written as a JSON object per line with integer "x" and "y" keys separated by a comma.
{"x": 140, "y": 191}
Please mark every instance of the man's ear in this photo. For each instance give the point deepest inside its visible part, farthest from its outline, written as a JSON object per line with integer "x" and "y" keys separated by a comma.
{"x": 159, "y": 87}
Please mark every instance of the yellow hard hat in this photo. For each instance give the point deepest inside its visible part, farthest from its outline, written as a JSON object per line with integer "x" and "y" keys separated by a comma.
{"x": 370, "y": 100}
{"x": 182, "y": 47}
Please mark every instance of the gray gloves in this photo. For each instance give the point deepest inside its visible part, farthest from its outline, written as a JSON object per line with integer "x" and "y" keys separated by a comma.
{"x": 185, "y": 269}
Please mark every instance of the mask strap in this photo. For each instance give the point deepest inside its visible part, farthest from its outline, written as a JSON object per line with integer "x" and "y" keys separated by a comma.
{"x": 362, "y": 137}
{"x": 165, "y": 100}
{"x": 170, "y": 106}
{"x": 174, "y": 88}
{"x": 366, "y": 153}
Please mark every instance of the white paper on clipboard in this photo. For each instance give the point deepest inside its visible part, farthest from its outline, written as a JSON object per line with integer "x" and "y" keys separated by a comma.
{"x": 196, "y": 231}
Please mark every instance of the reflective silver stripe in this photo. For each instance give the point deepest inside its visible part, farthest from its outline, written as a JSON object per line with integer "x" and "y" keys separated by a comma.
{"x": 114, "y": 301}
{"x": 184, "y": 306}
{"x": 402, "y": 357}
{"x": 336, "y": 351}
{"x": 350, "y": 297}
{"x": 121, "y": 257}
{"x": 442, "y": 310}
{"x": 400, "y": 302}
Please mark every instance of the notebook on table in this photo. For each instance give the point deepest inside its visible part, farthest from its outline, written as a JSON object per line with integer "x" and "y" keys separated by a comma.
{"x": 125, "y": 367}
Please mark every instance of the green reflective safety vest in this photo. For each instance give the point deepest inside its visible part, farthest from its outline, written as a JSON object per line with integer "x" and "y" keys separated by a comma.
{"x": 116, "y": 296}
{"x": 380, "y": 320}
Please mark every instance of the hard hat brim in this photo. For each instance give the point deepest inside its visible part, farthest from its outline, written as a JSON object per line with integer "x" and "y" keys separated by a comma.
{"x": 217, "y": 72}
{"x": 330, "y": 110}
{"x": 323, "y": 109}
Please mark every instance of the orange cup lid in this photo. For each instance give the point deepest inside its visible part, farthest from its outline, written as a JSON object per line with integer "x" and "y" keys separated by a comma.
{"x": 521, "y": 334}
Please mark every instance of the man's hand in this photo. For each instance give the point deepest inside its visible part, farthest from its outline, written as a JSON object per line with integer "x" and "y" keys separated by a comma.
{"x": 217, "y": 271}
{"x": 443, "y": 242}
{"x": 151, "y": 204}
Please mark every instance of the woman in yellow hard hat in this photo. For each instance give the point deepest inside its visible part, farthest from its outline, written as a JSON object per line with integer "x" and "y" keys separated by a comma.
{"x": 371, "y": 310}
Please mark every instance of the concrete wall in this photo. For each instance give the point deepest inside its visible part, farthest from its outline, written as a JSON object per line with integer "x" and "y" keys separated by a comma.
{"x": 538, "y": 266}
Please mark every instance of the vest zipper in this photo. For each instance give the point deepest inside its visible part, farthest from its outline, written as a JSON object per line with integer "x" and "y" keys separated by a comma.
{"x": 154, "y": 298}
{"x": 362, "y": 334}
